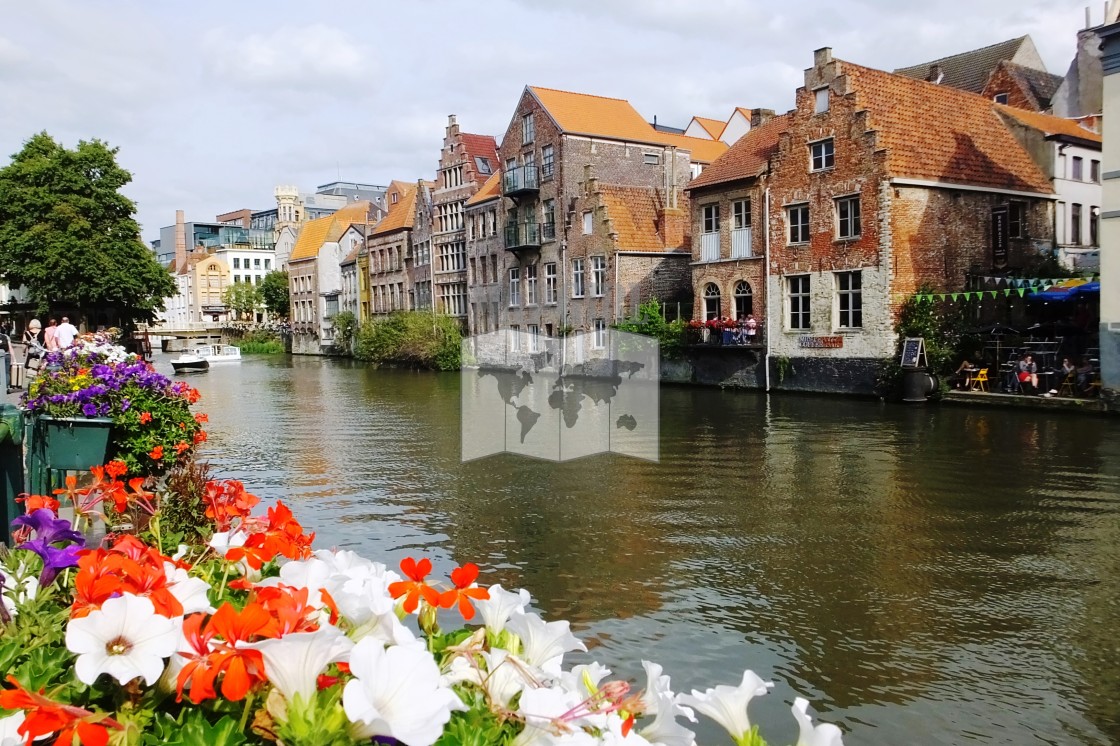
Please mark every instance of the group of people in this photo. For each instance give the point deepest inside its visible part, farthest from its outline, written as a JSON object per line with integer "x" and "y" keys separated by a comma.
{"x": 40, "y": 341}
{"x": 1026, "y": 373}
{"x": 744, "y": 331}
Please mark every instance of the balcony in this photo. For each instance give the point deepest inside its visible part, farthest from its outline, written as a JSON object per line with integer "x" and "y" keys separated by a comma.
{"x": 741, "y": 243}
{"x": 709, "y": 247}
{"x": 520, "y": 181}
{"x": 523, "y": 236}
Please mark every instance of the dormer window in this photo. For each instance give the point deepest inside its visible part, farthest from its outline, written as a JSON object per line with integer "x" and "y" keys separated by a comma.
{"x": 1000, "y": 98}
{"x": 822, "y": 155}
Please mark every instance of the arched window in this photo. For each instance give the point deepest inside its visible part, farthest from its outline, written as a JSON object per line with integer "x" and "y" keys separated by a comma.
{"x": 744, "y": 299}
{"x": 711, "y": 301}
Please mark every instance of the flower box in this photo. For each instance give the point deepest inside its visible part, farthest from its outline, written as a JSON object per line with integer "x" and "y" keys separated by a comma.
{"x": 72, "y": 443}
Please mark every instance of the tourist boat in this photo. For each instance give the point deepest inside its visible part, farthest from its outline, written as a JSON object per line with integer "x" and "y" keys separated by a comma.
{"x": 201, "y": 357}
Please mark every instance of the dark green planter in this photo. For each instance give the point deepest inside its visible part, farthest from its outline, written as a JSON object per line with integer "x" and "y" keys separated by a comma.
{"x": 74, "y": 443}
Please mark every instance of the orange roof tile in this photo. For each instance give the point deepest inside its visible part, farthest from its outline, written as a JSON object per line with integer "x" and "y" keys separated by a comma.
{"x": 314, "y": 233}
{"x": 937, "y": 133}
{"x": 480, "y": 146}
{"x": 713, "y": 127}
{"x": 1049, "y": 124}
{"x": 616, "y": 119}
{"x": 402, "y": 215}
{"x": 745, "y": 112}
{"x": 748, "y": 157}
{"x": 633, "y": 214}
{"x": 488, "y": 191}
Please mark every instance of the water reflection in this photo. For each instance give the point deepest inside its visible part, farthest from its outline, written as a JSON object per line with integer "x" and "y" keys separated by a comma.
{"x": 931, "y": 575}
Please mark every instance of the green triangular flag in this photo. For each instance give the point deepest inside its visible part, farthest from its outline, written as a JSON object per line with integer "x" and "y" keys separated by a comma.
{"x": 1007, "y": 292}
{"x": 994, "y": 293}
{"x": 955, "y": 297}
{"x": 1022, "y": 291}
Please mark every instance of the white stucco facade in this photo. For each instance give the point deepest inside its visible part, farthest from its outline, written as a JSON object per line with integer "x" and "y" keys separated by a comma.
{"x": 1077, "y": 175}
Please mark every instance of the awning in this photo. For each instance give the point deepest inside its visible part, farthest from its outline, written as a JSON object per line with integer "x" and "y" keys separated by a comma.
{"x": 1065, "y": 290}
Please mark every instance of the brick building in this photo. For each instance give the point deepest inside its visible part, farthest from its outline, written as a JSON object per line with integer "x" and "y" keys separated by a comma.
{"x": 418, "y": 264}
{"x": 875, "y": 185}
{"x": 593, "y": 215}
{"x": 485, "y": 246}
{"x": 466, "y": 161}
{"x": 390, "y": 247}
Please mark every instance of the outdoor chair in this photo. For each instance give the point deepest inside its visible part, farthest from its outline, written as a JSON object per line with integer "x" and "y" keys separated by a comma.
{"x": 1067, "y": 387}
{"x": 980, "y": 380}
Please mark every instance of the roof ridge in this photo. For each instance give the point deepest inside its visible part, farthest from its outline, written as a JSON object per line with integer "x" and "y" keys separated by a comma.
{"x": 961, "y": 54}
{"x": 576, "y": 93}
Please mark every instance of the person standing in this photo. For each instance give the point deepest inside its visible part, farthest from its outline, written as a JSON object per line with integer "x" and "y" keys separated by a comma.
{"x": 33, "y": 340}
{"x": 752, "y": 328}
{"x": 66, "y": 333}
{"x": 50, "y": 335}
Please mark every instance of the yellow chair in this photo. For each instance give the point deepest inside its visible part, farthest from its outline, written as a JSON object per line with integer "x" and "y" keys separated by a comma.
{"x": 980, "y": 380}
{"x": 1067, "y": 385}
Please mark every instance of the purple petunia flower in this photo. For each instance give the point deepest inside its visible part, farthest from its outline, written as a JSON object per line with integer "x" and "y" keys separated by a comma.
{"x": 89, "y": 409}
{"x": 125, "y": 404}
{"x": 48, "y": 531}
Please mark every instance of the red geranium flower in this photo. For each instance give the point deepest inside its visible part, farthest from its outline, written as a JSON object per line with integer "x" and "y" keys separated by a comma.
{"x": 45, "y": 717}
{"x": 462, "y": 578}
{"x": 416, "y": 587}
{"x": 156, "y": 453}
{"x": 145, "y": 418}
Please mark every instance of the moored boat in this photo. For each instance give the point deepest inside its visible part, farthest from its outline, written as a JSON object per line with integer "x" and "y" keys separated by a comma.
{"x": 214, "y": 354}
{"x": 188, "y": 361}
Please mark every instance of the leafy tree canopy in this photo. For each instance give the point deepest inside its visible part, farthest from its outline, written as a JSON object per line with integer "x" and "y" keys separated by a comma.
{"x": 242, "y": 297}
{"x": 68, "y": 235}
{"x": 274, "y": 291}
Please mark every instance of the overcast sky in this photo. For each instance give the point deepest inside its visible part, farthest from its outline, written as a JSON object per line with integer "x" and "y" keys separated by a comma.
{"x": 213, "y": 104}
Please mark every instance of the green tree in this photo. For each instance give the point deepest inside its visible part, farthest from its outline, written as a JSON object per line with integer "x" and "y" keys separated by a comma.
{"x": 650, "y": 322}
{"x": 68, "y": 235}
{"x": 345, "y": 324}
{"x": 274, "y": 291}
{"x": 242, "y": 297}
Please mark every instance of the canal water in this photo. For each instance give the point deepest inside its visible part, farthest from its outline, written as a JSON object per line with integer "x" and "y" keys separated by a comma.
{"x": 929, "y": 575}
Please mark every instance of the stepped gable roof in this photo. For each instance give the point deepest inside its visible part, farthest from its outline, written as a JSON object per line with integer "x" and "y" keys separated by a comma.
{"x": 489, "y": 190}
{"x": 327, "y": 229}
{"x": 402, "y": 215}
{"x": 1048, "y": 124}
{"x": 633, "y": 214}
{"x": 1038, "y": 84}
{"x": 616, "y": 119}
{"x": 938, "y": 133}
{"x": 969, "y": 71}
{"x": 713, "y": 127}
{"x": 748, "y": 157}
{"x": 480, "y": 146}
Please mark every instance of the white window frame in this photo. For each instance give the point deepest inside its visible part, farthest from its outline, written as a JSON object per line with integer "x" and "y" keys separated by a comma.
{"x": 599, "y": 340}
{"x": 741, "y": 214}
{"x": 577, "y": 278}
{"x": 598, "y": 276}
{"x": 532, "y": 330}
{"x": 514, "y": 287}
{"x": 588, "y": 223}
{"x": 803, "y": 228}
{"x": 820, "y": 100}
{"x": 803, "y": 294}
{"x": 822, "y": 154}
{"x": 850, "y": 232}
{"x": 531, "y": 285}
{"x": 710, "y": 221}
{"x": 854, "y": 296}
{"x": 528, "y": 129}
{"x": 550, "y": 283}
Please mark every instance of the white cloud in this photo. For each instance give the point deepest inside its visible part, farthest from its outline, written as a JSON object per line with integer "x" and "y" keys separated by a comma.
{"x": 302, "y": 58}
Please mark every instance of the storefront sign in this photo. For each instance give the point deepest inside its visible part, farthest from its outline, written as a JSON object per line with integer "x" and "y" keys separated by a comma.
{"x": 820, "y": 343}
{"x": 1000, "y": 236}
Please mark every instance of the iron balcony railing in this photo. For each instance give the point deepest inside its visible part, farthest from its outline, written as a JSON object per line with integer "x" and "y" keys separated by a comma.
{"x": 522, "y": 235}
{"x": 520, "y": 179}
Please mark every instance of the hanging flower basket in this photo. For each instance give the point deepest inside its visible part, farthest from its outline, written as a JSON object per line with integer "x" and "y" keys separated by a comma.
{"x": 72, "y": 443}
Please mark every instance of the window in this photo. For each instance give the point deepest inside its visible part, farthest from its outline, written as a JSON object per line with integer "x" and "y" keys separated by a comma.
{"x": 1094, "y": 226}
{"x": 711, "y": 218}
{"x": 820, "y": 100}
{"x": 256, "y": 263}
{"x": 798, "y": 218}
{"x": 547, "y": 162}
{"x": 527, "y": 130}
{"x": 532, "y": 331}
{"x": 847, "y": 217}
{"x": 483, "y": 165}
{"x": 550, "y": 282}
{"x": 651, "y": 159}
{"x": 1075, "y": 225}
{"x": 740, "y": 214}
{"x": 393, "y": 199}
{"x": 711, "y": 301}
{"x": 744, "y": 299}
{"x": 1016, "y": 220}
{"x": 237, "y": 262}
{"x": 1078, "y": 170}
{"x": 531, "y": 285}
{"x": 1000, "y": 98}
{"x": 548, "y": 226}
{"x": 515, "y": 286}
{"x": 587, "y": 223}
{"x": 236, "y": 279}
{"x": 1095, "y": 172}
{"x": 798, "y": 296}
{"x": 515, "y": 337}
{"x": 268, "y": 264}
{"x": 598, "y": 275}
{"x": 849, "y": 295}
{"x": 600, "y": 340}
{"x": 577, "y": 278}
{"x": 822, "y": 154}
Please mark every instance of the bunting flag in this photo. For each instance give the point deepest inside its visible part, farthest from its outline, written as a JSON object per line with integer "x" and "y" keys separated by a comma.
{"x": 994, "y": 293}
{"x": 1022, "y": 292}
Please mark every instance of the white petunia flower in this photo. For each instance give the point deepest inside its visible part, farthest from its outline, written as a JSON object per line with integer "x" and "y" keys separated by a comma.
{"x": 659, "y": 702}
{"x": 293, "y": 662}
{"x": 14, "y": 593}
{"x": 9, "y": 730}
{"x": 825, "y": 734}
{"x": 189, "y": 591}
{"x": 125, "y": 638}
{"x": 496, "y": 610}
{"x": 727, "y": 705}
{"x": 544, "y": 643}
{"x": 396, "y": 692}
{"x": 575, "y": 680}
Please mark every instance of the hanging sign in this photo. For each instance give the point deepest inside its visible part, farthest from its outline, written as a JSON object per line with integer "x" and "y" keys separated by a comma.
{"x": 1000, "y": 236}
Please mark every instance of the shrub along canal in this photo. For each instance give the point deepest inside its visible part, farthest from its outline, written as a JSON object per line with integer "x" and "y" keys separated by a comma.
{"x": 921, "y": 574}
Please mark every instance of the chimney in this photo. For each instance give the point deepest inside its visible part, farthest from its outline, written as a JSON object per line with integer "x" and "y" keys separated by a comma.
{"x": 761, "y": 116}
{"x": 452, "y": 125}
{"x": 180, "y": 240}
{"x": 822, "y": 57}
{"x": 671, "y": 224}
{"x": 936, "y": 74}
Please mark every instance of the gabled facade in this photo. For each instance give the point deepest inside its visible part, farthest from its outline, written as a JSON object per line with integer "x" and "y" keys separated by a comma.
{"x": 390, "y": 247}
{"x": 874, "y": 185}
{"x": 592, "y": 214}
{"x": 315, "y": 274}
{"x": 971, "y": 70}
{"x": 1021, "y": 87}
{"x": 465, "y": 163}
{"x": 485, "y": 246}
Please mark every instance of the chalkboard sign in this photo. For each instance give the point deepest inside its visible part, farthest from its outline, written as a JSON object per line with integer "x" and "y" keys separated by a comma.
{"x": 913, "y": 352}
